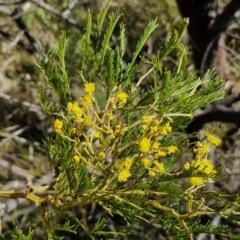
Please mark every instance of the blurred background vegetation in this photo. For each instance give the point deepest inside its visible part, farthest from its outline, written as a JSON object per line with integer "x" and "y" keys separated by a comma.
{"x": 30, "y": 29}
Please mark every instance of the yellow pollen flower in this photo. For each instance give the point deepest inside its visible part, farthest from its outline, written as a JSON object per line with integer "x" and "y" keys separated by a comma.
{"x": 128, "y": 162}
{"x": 156, "y": 146}
{"x": 151, "y": 173}
{"x": 187, "y": 166}
{"x": 155, "y": 122}
{"x": 69, "y": 106}
{"x": 147, "y": 119}
{"x": 123, "y": 175}
{"x": 122, "y": 98}
{"x": 86, "y": 100}
{"x": 111, "y": 103}
{"x": 215, "y": 141}
{"x": 160, "y": 153}
{"x": 76, "y": 158}
{"x": 102, "y": 155}
{"x": 78, "y": 119}
{"x": 58, "y": 124}
{"x": 144, "y": 127}
{"x": 171, "y": 149}
{"x": 73, "y": 130}
{"x": 202, "y": 149}
{"x": 87, "y": 121}
{"x": 160, "y": 166}
{"x": 79, "y": 133}
{"x": 110, "y": 116}
{"x": 144, "y": 145}
{"x": 120, "y": 165}
{"x": 89, "y": 88}
{"x": 75, "y": 109}
{"x": 200, "y": 165}
{"x": 208, "y": 166}
{"x": 164, "y": 130}
{"x": 153, "y": 129}
{"x": 196, "y": 181}
{"x": 118, "y": 128}
{"x": 146, "y": 162}
{"x": 125, "y": 164}
{"x": 97, "y": 135}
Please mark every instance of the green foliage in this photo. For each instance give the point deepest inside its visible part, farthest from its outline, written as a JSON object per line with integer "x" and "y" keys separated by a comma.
{"x": 172, "y": 101}
{"x": 19, "y": 235}
{"x": 125, "y": 157}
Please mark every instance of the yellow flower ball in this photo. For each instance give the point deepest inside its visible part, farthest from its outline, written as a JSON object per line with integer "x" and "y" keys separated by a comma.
{"x": 144, "y": 145}
{"x": 89, "y": 88}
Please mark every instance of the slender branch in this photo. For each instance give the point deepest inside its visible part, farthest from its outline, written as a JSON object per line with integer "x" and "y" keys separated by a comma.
{"x": 15, "y": 169}
{"x": 20, "y": 23}
{"x": 52, "y": 10}
{"x": 221, "y": 114}
{"x": 19, "y": 43}
{"x": 15, "y": 133}
{"x": 14, "y": 42}
{"x": 20, "y": 14}
{"x": 31, "y": 107}
{"x": 229, "y": 100}
{"x": 71, "y": 5}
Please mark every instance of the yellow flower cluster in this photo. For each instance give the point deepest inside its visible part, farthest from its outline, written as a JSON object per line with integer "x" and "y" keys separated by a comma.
{"x": 201, "y": 163}
{"x": 89, "y": 88}
{"x": 124, "y": 169}
{"x": 160, "y": 166}
{"x": 215, "y": 141}
{"x": 76, "y": 158}
{"x": 106, "y": 127}
{"x": 99, "y": 134}
{"x": 86, "y": 100}
{"x": 152, "y": 131}
{"x": 122, "y": 98}
{"x": 144, "y": 145}
{"x": 153, "y": 126}
{"x": 58, "y": 124}
{"x": 76, "y": 111}
{"x": 146, "y": 162}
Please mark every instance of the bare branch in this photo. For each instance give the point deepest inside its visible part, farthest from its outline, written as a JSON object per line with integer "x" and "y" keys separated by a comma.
{"x": 14, "y": 42}
{"x": 52, "y": 10}
{"x": 20, "y": 172}
{"x": 71, "y": 5}
{"x": 20, "y": 14}
{"x": 36, "y": 45}
{"x": 220, "y": 114}
{"x": 19, "y": 43}
{"x": 229, "y": 100}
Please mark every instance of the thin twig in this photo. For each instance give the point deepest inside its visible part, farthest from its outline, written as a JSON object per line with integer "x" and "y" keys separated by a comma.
{"x": 14, "y": 134}
{"x": 36, "y": 45}
{"x": 144, "y": 76}
{"x": 31, "y": 107}
{"x": 15, "y": 169}
{"x": 52, "y": 10}
{"x": 20, "y": 139}
{"x": 220, "y": 114}
{"x": 14, "y": 42}
{"x": 20, "y": 14}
